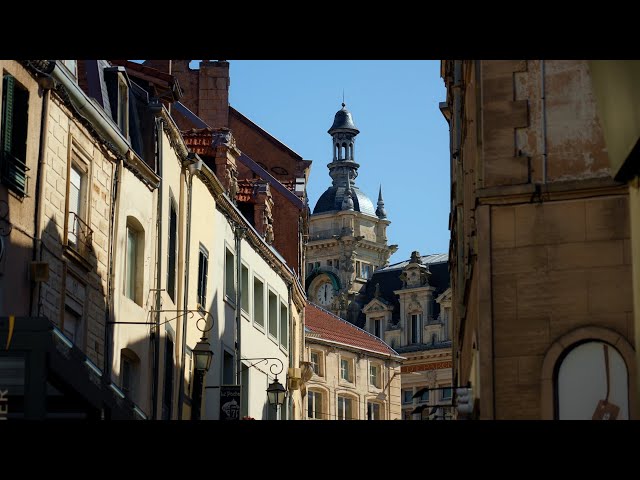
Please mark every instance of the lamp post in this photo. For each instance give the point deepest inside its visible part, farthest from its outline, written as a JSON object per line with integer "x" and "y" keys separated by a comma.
{"x": 276, "y": 392}
{"x": 202, "y": 356}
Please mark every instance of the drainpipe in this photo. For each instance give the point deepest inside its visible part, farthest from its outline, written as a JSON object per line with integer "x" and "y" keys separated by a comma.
{"x": 543, "y": 112}
{"x": 156, "y": 108}
{"x": 46, "y": 84}
{"x": 109, "y": 311}
{"x": 290, "y": 346}
{"x": 193, "y": 167}
{"x": 239, "y": 233}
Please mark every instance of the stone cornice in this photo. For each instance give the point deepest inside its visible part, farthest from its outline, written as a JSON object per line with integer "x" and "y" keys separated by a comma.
{"x": 539, "y": 193}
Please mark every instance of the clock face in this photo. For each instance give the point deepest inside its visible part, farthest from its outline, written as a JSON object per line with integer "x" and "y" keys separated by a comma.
{"x": 324, "y": 296}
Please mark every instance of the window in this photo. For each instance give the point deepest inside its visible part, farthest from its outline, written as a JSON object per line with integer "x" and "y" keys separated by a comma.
{"x": 273, "y": 314}
{"x": 424, "y": 397}
{"x": 406, "y": 415}
{"x": 229, "y": 277}
{"x": 77, "y": 228}
{"x": 172, "y": 250}
{"x": 366, "y": 270}
{"x": 373, "y": 411}
{"x": 227, "y": 369}
{"x": 284, "y": 325}
{"x": 123, "y": 107}
{"x": 314, "y": 405}
{"x": 167, "y": 398}
{"x": 316, "y": 363}
{"x": 416, "y": 320}
{"x": 329, "y": 263}
{"x": 407, "y": 395}
{"x": 188, "y": 371}
{"x": 245, "y": 289}
{"x": 345, "y": 408}
{"x": 129, "y": 372}
{"x": 244, "y": 390}
{"x": 374, "y": 375}
{"x": 71, "y": 65}
{"x": 134, "y": 261}
{"x": 345, "y": 369}
{"x": 13, "y": 152}
{"x": 446, "y": 393}
{"x": 72, "y": 326}
{"x": 376, "y": 324}
{"x": 336, "y": 263}
{"x": 309, "y": 267}
{"x": 258, "y": 302}
{"x": 203, "y": 267}
{"x": 357, "y": 268}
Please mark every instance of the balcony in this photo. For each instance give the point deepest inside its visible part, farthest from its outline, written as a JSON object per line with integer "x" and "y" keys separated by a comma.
{"x": 79, "y": 236}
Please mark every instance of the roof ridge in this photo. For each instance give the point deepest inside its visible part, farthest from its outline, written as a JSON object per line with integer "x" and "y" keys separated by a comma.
{"x": 352, "y": 325}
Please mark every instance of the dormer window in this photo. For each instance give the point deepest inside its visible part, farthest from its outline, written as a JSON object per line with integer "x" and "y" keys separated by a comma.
{"x": 123, "y": 106}
{"x": 118, "y": 86}
{"x": 72, "y": 66}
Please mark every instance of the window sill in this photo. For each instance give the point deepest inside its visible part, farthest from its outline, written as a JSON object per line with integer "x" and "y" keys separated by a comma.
{"x": 258, "y": 327}
{"x": 245, "y": 314}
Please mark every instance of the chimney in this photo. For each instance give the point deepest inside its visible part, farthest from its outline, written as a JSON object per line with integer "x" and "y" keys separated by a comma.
{"x": 213, "y": 94}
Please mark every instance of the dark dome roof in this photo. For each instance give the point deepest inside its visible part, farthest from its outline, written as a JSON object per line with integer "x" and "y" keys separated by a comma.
{"x": 331, "y": 200}
{"x": 343, "y": 120}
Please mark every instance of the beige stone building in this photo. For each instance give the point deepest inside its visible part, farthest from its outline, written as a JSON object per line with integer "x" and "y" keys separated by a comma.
{"x": 540, "y": 249}
{"x": 351, "y": 374}
{"x": 62, "y": 155}
{"x": 121, "y": 250}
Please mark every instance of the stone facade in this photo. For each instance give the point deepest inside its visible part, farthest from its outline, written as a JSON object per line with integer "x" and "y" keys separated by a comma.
{"x": 410, "y": 308}
{"x": 347, "y": 381}
{"x": 540, "y": 244}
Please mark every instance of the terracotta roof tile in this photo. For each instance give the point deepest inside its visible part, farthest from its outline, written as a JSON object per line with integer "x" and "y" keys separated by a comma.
{"x": 327, "y": 326}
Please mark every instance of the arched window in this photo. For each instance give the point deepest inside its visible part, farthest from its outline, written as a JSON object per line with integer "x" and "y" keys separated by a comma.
{"x": 134, "y": 260}
{"x": 585, "y": 374}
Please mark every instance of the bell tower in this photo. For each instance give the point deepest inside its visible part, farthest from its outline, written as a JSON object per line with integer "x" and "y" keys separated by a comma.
{"x": 347, "y": 235}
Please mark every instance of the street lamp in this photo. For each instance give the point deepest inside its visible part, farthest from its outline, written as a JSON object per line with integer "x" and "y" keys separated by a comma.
{"x": 202, "y": 361}
{"x": 202, "y": 355}
{"x": 276, "y": 393}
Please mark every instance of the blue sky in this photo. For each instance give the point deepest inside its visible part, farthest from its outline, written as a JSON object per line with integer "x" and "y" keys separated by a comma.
{"x": 403, "y": 141}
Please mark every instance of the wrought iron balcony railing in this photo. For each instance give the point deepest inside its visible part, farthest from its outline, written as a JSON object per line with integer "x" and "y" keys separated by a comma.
{"x": 80, "y": 235}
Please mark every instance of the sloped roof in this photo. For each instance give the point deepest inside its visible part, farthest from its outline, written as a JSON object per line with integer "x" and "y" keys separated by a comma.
{"x": 329, "y": 327}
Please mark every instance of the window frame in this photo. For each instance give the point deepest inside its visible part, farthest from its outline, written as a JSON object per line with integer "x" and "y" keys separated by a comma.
{"x": 377, "y": 376}
{"x": 350, "y": 369}
{"x": 346, "y": 398}
{"x": 203, "y": 278}
{"x": 172, "y": 253}
{"x": 262, "y": 310}
{"x": 271, "y": 293}
{"x": 316, "y": 406}
{"x": 229, "y": 278}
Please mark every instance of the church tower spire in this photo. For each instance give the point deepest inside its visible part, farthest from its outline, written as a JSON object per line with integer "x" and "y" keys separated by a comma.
{"x": 380, "y": 211}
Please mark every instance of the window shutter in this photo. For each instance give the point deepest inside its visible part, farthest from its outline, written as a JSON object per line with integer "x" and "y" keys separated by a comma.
{"x": 7, "y": 117}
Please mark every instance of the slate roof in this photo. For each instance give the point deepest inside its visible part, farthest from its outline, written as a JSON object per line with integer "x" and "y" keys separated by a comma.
{"x": 327, "y": 326}
{"x": 389, "y": 279}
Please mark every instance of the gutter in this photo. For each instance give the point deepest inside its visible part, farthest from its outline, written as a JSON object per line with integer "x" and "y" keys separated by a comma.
{"x": 92, "y": 112}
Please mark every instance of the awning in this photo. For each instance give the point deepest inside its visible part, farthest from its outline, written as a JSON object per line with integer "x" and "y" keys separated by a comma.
{"x": 419, "y": 393}
{"x": 55, "y": 367}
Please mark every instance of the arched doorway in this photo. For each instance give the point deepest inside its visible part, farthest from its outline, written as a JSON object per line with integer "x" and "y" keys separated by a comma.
{"x": 582, "y": 381}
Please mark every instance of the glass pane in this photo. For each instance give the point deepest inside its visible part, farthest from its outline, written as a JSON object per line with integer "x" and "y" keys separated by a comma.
{"x": 131, "y": 264}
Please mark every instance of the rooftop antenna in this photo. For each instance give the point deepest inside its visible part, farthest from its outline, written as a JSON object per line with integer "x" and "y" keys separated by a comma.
{"x": 343, "y": 97}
